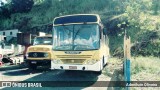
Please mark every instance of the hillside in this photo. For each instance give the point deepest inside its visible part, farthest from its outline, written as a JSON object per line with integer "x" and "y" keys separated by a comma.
{"x": 140, "y": 18}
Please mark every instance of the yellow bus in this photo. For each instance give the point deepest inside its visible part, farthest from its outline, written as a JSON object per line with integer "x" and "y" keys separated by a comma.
{"x": 80, "y": 43}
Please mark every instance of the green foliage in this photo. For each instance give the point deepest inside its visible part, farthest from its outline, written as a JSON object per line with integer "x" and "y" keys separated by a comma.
{"x": 144, "y": 64}
{"x": 156, "y": 6}
{"x": 20, "y": 6}
{"x": 135, "y": 16}
{"x": 142, "y": 27}
{"x": 5, "y": 11}
{"x": 44, "y": 11}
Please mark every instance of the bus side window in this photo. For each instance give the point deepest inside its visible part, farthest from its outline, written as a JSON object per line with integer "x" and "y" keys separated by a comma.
{"x": 106, "y": 40}
{"x": 101, "y": 33}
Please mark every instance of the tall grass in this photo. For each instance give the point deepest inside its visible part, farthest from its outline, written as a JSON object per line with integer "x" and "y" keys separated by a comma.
{"x": 145, "y": 68}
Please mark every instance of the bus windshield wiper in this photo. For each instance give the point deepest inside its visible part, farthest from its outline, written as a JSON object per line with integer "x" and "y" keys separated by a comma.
{"x": 76, "y": 33}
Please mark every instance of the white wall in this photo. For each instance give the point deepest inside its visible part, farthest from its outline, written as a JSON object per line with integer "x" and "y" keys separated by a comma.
{"x": 42, "y": 34}
{"x": 8, "y": 32}
{"x": 1, "y": 37}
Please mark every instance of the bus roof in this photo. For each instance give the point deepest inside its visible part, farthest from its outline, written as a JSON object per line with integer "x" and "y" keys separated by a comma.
{"x": 76, "y": 19}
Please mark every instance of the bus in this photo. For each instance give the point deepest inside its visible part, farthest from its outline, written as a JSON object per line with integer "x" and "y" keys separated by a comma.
{"x": 79, "y": 43}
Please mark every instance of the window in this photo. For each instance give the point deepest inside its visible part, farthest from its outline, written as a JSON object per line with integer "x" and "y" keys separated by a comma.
{"x": 76, "y": 37}
{"x": 10, "y": 33}
{"x": 4, "y": 33}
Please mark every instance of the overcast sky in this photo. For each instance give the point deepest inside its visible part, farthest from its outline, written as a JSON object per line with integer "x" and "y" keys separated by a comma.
{"x": 4, "y": 1}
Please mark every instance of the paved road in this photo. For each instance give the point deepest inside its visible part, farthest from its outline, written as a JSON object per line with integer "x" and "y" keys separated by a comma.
{"x": 90, "y": 79}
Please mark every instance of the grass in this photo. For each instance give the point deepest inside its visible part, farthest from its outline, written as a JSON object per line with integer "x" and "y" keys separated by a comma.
{"x": 145, "y": 69}
{"x": 142, "y": 68}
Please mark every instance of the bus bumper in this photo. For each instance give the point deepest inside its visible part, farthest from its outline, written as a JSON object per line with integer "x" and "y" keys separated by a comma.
{"x": 94, "y": 67}
{"x": 39, "y": 62}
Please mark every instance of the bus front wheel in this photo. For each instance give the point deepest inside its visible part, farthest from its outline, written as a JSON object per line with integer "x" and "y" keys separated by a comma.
{"x": 98, "y": 72}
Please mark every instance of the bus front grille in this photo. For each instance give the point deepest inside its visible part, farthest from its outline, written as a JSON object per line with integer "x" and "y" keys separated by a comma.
{"x": 73, "y": 61}
{"x": 36, "y": 54}
{"x": 74, "y": 56}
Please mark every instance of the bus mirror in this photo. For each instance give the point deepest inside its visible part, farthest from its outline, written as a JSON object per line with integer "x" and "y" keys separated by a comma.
{"x": 104, "y": 31}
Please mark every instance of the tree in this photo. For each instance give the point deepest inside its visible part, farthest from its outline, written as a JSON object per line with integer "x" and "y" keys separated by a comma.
{"x": 155, "y": 6}
{"x": 20, "y": 6}
{"x": 5, "y": 12}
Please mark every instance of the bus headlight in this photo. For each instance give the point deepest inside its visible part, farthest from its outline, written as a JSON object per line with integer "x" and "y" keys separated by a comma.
{"x": 90, "y": 62}
{"x": 57, "y": 61}
{"x": 46, "y": 55}
{"x": 27, "y": 55}
{"x": 93, "y": 61}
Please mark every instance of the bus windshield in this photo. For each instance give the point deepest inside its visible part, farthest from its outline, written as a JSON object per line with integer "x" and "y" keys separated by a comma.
{"x": 43, "y": 41}
{"x": 76, "y": 37}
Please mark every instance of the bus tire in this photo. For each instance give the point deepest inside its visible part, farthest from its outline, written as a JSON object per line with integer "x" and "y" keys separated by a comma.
{"x": 98, "y": 72}
{"x": 103, "y": 62}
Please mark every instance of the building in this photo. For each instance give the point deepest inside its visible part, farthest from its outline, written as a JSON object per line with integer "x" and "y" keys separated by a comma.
{"x": 12, "y": 33}
{"x": 9, "y": 34}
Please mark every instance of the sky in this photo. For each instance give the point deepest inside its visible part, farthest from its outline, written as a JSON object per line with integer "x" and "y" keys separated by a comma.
{"x": 4, "y": 1}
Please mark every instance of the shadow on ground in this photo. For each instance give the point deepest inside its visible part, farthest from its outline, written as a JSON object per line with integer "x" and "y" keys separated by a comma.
{"x": 64, "y": 80}
{"x": 116, "y": 79}
{"x": 12, "y": 67}
{"x": 24, "y": 71}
